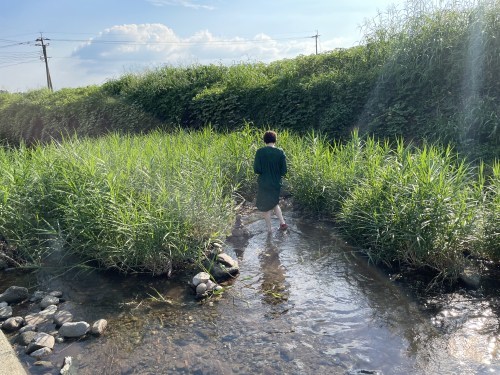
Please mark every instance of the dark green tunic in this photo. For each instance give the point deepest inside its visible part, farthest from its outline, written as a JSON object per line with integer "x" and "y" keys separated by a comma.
{"x": 270, "y": 165}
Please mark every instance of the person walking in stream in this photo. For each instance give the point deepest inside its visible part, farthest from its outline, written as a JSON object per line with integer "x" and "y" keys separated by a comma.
{"x": 270, "y": 165}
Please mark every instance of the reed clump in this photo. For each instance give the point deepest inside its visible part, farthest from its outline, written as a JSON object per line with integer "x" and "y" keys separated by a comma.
{"x": 149, "y": 202}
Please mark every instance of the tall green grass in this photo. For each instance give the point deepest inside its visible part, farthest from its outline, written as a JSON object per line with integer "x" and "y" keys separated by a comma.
{"x": 143, "y": 203}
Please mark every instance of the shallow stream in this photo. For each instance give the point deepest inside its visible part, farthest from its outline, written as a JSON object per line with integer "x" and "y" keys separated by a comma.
{"x": 304, "y": 303}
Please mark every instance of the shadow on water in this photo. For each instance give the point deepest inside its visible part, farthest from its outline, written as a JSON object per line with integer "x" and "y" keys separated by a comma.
{"x": 304, "y": 303}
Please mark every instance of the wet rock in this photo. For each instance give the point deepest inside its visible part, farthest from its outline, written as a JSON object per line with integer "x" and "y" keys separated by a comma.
{"x": 49, "y": 300}
{"x": 40, "y": 353}
{"x": 14, "y": 294}
{"x": 99, "y": 326}
{"x": 47, "y": 327}
{"x": 201, "y": 288}
{"x": 5, "y": 312}
{"x": 221, "y": 266}
{"x": 41, "y": 340}
{"x": 4, "y": 304}
{"x": 66, "y": 369}
{"x": 25, "y": 338}
{"x": 13, "y": 324}
{"x": 45, "y": 364}
{"x": 74, "y": 329}
{"x": 56, "y": 293}
{"x": 37, "y": 296}
{"x": 220, "y": 272}
{"x": 210, "y": 285}
{"x": 226, "y": 260}
{"x": 27, "y": 328}
{"x": 201, "y": 277}
{"x": 42, "y": 317}
{"x": 62, "y": 317}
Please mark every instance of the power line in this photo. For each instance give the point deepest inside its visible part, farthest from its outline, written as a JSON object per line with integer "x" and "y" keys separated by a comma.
{"x": 131, "y": 42}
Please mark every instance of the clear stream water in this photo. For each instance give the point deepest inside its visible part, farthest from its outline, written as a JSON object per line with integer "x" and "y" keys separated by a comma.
{"x": 304, "y": 303}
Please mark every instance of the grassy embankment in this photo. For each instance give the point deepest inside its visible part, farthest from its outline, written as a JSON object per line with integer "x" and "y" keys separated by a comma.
{"x": 424, "y": 72}
{"x": 141, "y": 202}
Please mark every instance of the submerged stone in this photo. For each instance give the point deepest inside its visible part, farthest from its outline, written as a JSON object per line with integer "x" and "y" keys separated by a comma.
{"x": 75, "y": 329}
{"x": 14, "y": 294}
{"x": 99, "y": 326}
{"x": 13, "y": 323}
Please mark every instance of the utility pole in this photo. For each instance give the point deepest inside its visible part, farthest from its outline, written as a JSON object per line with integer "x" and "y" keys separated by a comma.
{"x": 44, "y": 50}
{"x": 316, "y": 37}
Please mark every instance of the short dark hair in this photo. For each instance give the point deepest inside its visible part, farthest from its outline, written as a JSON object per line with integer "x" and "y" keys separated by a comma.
{"x": 270, "y": 137}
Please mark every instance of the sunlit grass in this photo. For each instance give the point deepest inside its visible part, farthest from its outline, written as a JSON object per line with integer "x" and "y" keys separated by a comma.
{"x": 146, "y": 203}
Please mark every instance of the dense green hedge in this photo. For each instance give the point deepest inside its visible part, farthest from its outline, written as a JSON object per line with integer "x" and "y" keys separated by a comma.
{"x": 425, "y": 71}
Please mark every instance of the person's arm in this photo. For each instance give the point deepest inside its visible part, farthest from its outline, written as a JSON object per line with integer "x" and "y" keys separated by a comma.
{"x": 283, "y": 167}
{"x": 257, "y": 168}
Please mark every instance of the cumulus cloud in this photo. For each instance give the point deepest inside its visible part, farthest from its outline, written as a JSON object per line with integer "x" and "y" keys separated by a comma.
{"x": 153, "y": 44}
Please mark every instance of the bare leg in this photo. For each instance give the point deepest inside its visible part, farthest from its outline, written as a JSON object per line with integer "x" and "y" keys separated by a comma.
{"x": 277, "y": 211}
{"x": 267, "y": 217}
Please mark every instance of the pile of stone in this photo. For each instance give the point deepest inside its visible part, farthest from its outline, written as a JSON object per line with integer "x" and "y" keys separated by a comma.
{"x": 39, "y": 331}
{"x": 219, "y": 267}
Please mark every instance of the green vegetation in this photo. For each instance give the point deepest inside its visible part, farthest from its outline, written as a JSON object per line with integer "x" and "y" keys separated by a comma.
{"x": 142, "y": 203}
{"x": 132, "y": 203}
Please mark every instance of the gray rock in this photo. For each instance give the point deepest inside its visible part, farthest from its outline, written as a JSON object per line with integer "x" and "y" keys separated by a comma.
{"x": 5, "y": 312}
{"x": 210, "y": 285}
{"x": 37, "y": 296}
{"x": 74, "y": 329}
{"x": 201, "y": 277}
{"x": 62, "y": 317}
{"x": 13, "y": 324}
{"x": 49, "y": 300}
{"x": 220, "y": 272}
{"x": 66, "y": 369}
{"x": 47, "y": 327}
{"x": 27, "y": 328}
{"x": 56, "y": 293}
{"x": 41, "y": 340}
{"x": 42, "y": 352}
{"x": 4, "y": 304}
{"x": 201, "y": 288}
{"x": 44, "y": 364}
{"x": 42, "y": 317}
{"x": 26, "y": 337}
{"x": 99, "y": 326}
{"x": 226, "y": 260}
{"x": 14, "y": 294}
{"x": 49, "y": 311}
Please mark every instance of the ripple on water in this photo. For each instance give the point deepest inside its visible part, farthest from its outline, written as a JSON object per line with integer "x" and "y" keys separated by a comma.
{"x": 304, "y": 303}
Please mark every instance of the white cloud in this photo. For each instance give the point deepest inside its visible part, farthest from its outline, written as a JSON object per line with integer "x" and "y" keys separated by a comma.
{"x": 183, "y": 3}
{"x": 157, "y": 44}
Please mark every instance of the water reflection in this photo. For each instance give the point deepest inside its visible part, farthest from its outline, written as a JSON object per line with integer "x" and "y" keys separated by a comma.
{"x": 274, "y": 285}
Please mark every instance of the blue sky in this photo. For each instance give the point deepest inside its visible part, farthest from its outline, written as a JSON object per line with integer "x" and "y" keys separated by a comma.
{"x": 92, "y": 41}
